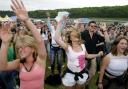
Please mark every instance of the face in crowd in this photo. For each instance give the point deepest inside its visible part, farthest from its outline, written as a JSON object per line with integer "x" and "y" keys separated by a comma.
{"x": 92, "y": 26}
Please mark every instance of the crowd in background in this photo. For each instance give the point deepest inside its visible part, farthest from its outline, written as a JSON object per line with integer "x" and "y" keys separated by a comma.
{"x": 101, "y": 42}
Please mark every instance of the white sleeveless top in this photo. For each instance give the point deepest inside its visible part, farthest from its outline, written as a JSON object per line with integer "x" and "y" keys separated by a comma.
{"x": 117, "y": 65}
{"x": 76, "y": 60}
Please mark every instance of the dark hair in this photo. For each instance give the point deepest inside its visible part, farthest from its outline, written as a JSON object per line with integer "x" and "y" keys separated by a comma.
{"x": 115, "y": 43}
{"x": 91, "y": 22}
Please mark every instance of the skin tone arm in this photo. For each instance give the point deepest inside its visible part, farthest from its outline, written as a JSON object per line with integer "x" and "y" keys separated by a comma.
{"x": 91, "y": 56}
{"x": 102, "y": 70}
{"x": 60, "y": 27}
{"x": 6, "y": 37}
{"x": 104, "y": 27}
{"x": 21, "y": 12}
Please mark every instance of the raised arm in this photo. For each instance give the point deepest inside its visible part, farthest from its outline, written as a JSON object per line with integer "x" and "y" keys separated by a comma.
{"x": 60, "y": 27}
{"x": 106, "y": 36}
{"x": 21, "y": 12}
{"x": 49, "y": 24}
{"x": 6, "y": 37}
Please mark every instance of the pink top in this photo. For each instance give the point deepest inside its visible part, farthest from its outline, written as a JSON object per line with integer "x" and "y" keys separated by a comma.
{"x": 33, "y": 79}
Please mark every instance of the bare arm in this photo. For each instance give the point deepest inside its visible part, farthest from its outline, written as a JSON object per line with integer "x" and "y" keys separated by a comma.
{"x": 58, "y": 39}
{"x": 105, "y": 63}
{"x": 6, "y": 38}
{"x": 91, "y": 56}
{"x": 21, "y": 12}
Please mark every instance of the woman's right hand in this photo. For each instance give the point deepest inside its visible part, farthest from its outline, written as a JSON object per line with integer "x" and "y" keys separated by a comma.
{"x": 100, "y": 86}
{"x": 5, "y": 33}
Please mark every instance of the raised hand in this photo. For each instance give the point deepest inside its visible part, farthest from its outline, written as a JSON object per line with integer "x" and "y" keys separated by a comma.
{"x": 5, "y": 32}
{"x": 47, "y": 14}
{"x": 103, "y": 26}
{"x": 20, "y": 10}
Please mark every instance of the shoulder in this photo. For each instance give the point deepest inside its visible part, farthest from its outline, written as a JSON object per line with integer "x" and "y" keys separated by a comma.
{"x": 41, "y": 62}
{"x": 84, "y": 32}
{"x": 106, "y": 59}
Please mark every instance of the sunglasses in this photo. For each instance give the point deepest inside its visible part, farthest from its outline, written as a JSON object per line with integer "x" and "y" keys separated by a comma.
{"x": 93, "y": 26}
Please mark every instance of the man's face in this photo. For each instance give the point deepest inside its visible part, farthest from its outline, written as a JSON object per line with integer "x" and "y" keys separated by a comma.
{"x": 92, "y": 27}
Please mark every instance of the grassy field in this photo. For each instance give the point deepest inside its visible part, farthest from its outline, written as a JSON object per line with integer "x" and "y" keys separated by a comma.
{"x": 92, "y": 84}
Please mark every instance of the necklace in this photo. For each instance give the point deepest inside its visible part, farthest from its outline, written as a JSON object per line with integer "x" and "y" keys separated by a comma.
{"x": 28, "y": 70}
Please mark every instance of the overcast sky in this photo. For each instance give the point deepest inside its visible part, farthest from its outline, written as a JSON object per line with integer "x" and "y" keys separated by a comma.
{"x": 56, "y": 4}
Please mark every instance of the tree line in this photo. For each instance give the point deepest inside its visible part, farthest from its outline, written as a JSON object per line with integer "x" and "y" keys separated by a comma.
{"x": 98, "y": 12}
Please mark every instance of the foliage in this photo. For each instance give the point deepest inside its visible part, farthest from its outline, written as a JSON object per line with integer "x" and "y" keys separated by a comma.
{"x": 102, "y": 12}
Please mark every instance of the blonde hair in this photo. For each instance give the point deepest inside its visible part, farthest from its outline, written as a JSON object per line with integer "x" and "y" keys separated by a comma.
{"x": 26, "y": 41}
{"x": 75, "y": 32}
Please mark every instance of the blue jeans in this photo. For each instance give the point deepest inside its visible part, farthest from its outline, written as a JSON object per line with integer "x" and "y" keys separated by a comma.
{"x": 8, "y": 79}
{"x": 56, "y": 53}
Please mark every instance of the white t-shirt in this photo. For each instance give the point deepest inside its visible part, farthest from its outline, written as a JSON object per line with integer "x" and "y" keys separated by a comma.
{"x": 53, "y": 37}
{"x": 76, "y": 60}
{"x": 117, "y": 65}
{"x": 45, "y": 35}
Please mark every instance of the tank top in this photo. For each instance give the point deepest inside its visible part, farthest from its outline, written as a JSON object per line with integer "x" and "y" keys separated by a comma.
{"x": 76, "y": 60}
{"x": 33, "y": 79}
{"x": 118, "y": 65}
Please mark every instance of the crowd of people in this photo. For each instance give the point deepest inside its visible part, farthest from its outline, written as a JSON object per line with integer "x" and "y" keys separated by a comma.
{"x": 84, "y": 48}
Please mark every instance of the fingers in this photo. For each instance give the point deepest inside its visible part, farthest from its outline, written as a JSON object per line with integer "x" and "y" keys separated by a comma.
{"x": 19, "y": 5}
{"x": 6, "y": 26}
{"x": 23, "y": 5}
{"x": 16, "y": 5}
{"x": 14, "y": 9}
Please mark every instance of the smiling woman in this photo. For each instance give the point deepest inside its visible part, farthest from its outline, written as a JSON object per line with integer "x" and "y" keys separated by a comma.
{"x": 115, "y": 66}
{"x": 31, "y": 51}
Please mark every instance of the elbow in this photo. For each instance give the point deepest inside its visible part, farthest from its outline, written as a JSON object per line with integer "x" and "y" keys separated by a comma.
{"x": 3, "y": 67}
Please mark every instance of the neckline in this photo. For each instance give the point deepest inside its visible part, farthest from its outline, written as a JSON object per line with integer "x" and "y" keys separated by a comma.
{"x": 28, "y": 70}
{"x": 79, "y": 51}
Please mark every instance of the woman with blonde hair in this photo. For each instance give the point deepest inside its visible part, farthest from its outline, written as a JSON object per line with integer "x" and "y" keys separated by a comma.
{"x": 76, "y": 73}
{"x": 31, "y": 52}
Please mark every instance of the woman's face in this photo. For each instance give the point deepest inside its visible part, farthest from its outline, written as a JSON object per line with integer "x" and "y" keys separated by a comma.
{"x": 122, "y": 46}
{"x": 74, "y": 37}
{"x": 25, "y": 51}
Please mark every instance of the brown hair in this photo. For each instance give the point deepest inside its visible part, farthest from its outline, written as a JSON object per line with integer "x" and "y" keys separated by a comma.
{"x": 115, "y": 43}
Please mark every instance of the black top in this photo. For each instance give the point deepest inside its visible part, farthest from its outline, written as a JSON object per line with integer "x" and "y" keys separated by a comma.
{"x": 90, "y": 43}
